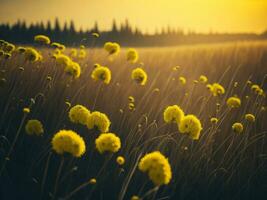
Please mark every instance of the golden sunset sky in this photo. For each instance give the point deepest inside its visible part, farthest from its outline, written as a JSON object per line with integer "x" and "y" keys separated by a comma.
{"x": 198, "y": 15}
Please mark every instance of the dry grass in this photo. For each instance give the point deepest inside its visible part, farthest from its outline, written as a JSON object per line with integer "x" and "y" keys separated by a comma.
{"x": 221, "y": 165}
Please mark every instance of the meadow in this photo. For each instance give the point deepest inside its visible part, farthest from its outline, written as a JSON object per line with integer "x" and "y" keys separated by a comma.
{"x": 222, "y": 161}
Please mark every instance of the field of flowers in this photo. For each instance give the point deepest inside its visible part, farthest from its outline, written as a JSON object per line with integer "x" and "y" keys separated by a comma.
{"x": 184, "y": 122}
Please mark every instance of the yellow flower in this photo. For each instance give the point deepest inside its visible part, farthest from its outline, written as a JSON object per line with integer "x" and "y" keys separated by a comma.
{"x": 96, "y": 35}
{"x": 82, "y": 54}
{"x": 131, "y": 99}
{"x": 190, "y": 125}
{"x": 233, "y": 102}
{"x": 73, "y": 69}
{"x": 203, "y": 79}
{"x": 120, "y": 160}
{"x": 31, "y": 54}
{"x": 101, "y": 73}
{"x": 250, "y": 117}
{"x": 182, "y": 80}
{"x": 139, "y": 75}
{"x": 108, "y": 142}
{"x": 92, "y": 181}
{"x": 73, "y": 53}
{"x": 98, "y": 120}
{"x": 34, "y": 127}
{"x": 42, "y": 39}
{"x": 63, "y": 60}
{"x": 237, "y": 127}
{"x": 58, "y": 46}
{"x": 79, "y": 114}
{"x": 214, "y": 120}
{"x": 173, "y": 114}
{"x": 131, "y": 106}
{"x": 112, "y": 48}
{"x": 135, "y": 197}
{"x": 216, "y": 89}
{"x": 21, "y": 49}
{"x": 8, "y": 47}
{"x": 157, "y": 166}
{"x": 132, "y": 55}
{"x": 26, "y": 110}
{"x": 175, "y": 68}
{"x": 68, "y": 141}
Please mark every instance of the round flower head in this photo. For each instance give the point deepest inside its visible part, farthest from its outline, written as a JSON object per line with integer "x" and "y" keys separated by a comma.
{"x": 233, "y": 102}
{"x": 73, "y": 53}
{"x": 139, "y": 76}
{"x": 96, "y": 35}
{"x": 190, "y": 125}
{"x": 82, "y": 54}
{"x": 120, "y": 160}
{"x": 182, "y": 80}
{"x": 73, "y": 69}
{"x": 112, "y": 48}
{"x": 216, "y": 89}
{"x": 63, "y": 60}
{"x": 98, "y": 120}
{"x": 135, "y": 197}
{"x": 173, "y": 114}
{"x": 132, "y": 55}
{"x": 92, "y": 181}
{"x": 31, "y": 55}
{"x": 250, "y": 117}
{"x": 68, "y": 141}
{"x": 42, "y": 39}
{"x": 157, "y": 166}
{"x": 214, "y": 120}
{"x": 131, "y": 99}
{"x": 79, "y": 114}
{"x": 8, "y": 48}
{"x": 34, "y": 127}
{"x": 237, "y": 127}
{"x": 101, "y": 73}
{"x": 203, "y": 79}
{"x": 21, "y": 49}
{"x": 58, "y": 46}
{"x": 108, "y": 142}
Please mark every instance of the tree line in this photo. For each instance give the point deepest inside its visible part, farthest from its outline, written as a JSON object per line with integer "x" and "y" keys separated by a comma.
{"x": 67, "y": 34}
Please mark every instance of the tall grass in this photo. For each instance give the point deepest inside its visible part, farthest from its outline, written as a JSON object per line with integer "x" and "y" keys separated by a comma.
{"x": 220, "y": 165}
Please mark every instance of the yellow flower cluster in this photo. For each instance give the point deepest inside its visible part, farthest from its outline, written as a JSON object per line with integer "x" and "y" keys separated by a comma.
{"x": 68, "y": 141}
{"x": 112, "y": 48}
{"x": 132, "y": 55}
{"x": 42, "y": 39}
{"x": 257, "y": 89}
{"x": 108, "y": 142}
{"x": 101, "y": 73}
{"x": 203, "y": 79}
{"x": 250, "y": 117}
{"x": 173, "y": 114}
{"x": 237, "y": 127}
{"x": 120, "y": 160}
{"x": 34, "y": 127}
{"x": 190, "y": 125}
{"x": 139, "y": 76}
{"x": 79, "y": 114}
{"x": 32, "y": 55}
{"x": 216, "y": 89}
{"x": 98, "y": 120}
{"x": 157, "y": 166}
{"x": 233, "y": 102}
{"x": 73, "y": 69}
{"x": 182, "y": 80}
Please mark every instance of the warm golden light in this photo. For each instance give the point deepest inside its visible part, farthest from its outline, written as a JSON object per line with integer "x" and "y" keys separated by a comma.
{"x": 198, "y": 15}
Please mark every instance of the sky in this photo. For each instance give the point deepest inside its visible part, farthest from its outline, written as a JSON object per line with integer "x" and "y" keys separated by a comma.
{"x": 148, "y": 15}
